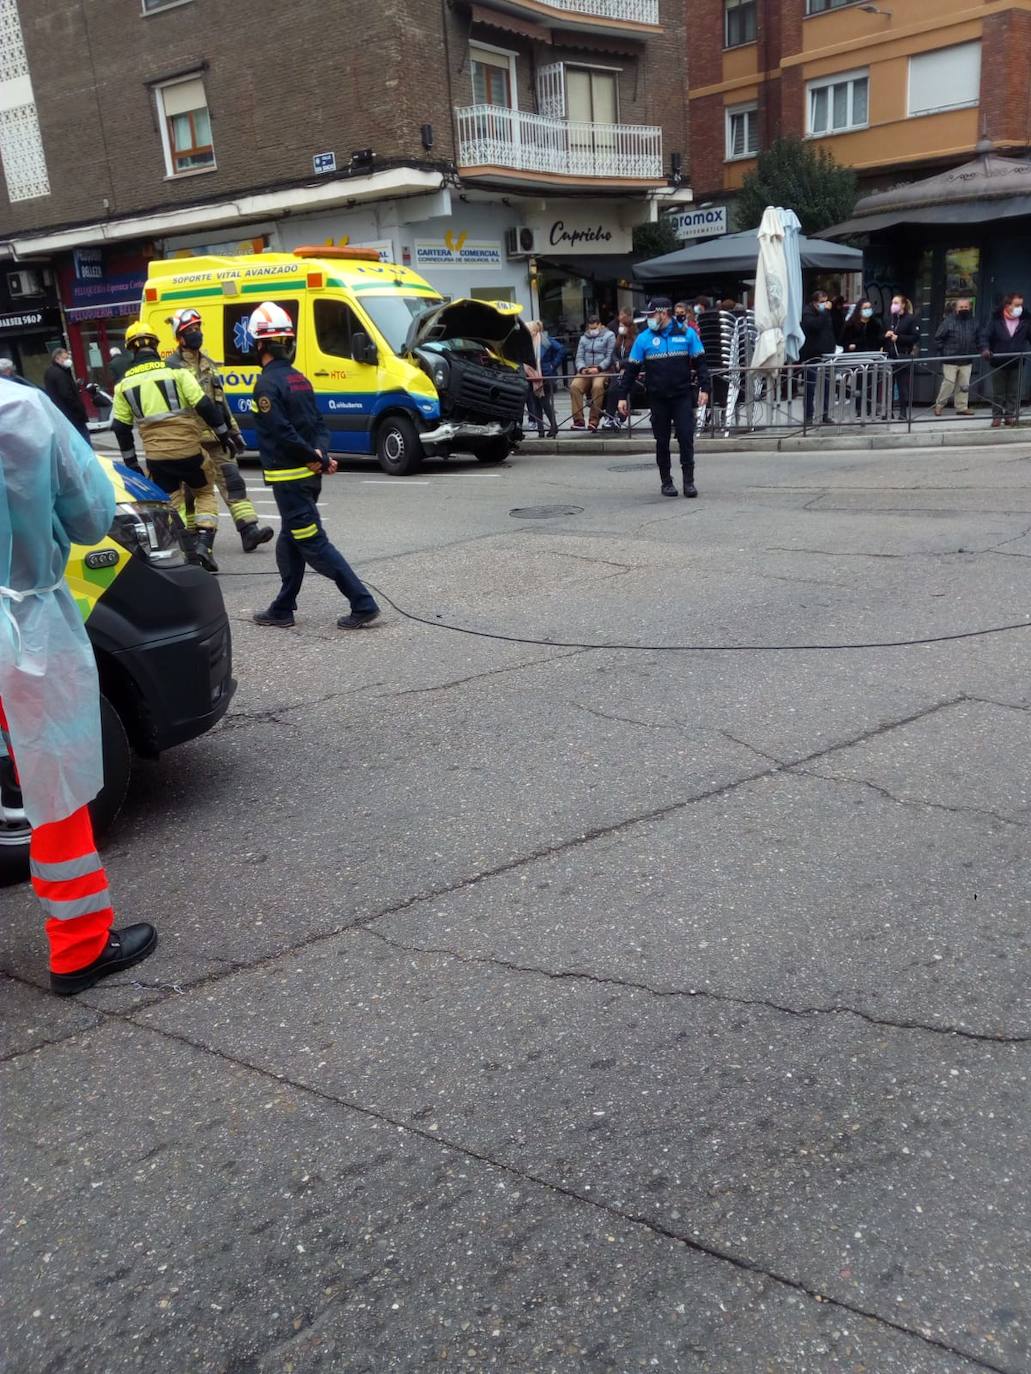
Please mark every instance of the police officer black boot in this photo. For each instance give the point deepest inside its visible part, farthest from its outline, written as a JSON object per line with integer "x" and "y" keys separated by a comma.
{"x": 668, "y": 489}
{"x": 689, "y": 487}
{"x": 205, "y": 557}
{"x": 253, "y": 534}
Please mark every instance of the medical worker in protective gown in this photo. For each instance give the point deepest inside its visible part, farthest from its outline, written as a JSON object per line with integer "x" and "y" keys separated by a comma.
{"x": 53, "y": 491}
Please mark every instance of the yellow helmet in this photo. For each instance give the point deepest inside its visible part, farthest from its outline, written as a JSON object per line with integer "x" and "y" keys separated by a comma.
{"x": 139, "y": 335}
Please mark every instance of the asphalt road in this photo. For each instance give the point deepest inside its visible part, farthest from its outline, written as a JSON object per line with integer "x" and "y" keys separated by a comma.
{"x": 535, "y": 1008}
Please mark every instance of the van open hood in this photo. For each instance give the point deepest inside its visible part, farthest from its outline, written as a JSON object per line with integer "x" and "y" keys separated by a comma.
{"x": 494, "y": 323}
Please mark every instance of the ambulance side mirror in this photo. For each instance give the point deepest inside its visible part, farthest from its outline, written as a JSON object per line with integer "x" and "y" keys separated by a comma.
{"x": 363, "y": 350}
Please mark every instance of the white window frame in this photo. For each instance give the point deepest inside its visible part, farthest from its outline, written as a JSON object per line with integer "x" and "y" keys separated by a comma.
{"x": 825, "y": 83}
{"x": 953, "y": 105}
{"x": 728, "y": 138}
{"x": 476, "y": 46}
{"x": 166, "y": 143}
{"x": 164, "y": 5}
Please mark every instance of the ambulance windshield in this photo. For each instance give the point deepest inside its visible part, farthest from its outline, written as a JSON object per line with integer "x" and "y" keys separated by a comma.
{"x": 393, "y": 315}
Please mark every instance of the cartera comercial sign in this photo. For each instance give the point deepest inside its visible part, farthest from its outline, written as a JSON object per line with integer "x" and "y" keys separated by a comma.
{"x": 457, "y": 250}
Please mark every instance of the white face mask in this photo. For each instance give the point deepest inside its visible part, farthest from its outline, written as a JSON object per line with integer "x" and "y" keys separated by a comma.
{"x": 622, "y": 328}
{"x": 652, "y": 322}
{"x": 896, "y": 307}
{"x": 593, "y": 333}
{"x": 867, "y": 312}
{"x": 1016, "y": 311}
{"x": 66, "y": 362}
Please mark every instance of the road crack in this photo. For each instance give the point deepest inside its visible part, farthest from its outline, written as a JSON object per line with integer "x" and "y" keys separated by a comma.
{"x": 702, "y": 994}
{"x": 706, "y": 1249}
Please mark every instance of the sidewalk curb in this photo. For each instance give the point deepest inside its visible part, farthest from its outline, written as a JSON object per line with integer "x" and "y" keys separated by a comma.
{"x": 787, "y": 443}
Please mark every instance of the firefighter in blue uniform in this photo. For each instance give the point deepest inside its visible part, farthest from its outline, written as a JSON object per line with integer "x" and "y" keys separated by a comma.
{"x": 293, "y": 444}
{"x": 672, "y": 356}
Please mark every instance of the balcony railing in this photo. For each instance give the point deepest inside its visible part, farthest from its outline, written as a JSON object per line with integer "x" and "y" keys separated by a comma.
{"x": 493, "y": 136}
{"x": 634, "y": 11}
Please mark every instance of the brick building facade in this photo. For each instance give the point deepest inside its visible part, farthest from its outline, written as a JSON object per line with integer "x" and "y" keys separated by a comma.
{"x": 909, "y": 87}
{"x": 144, "y": 127}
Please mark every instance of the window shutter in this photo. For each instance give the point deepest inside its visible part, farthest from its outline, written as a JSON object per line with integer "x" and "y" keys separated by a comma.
{"x": 551, "y": 90}
{"x": 183, "y": 97}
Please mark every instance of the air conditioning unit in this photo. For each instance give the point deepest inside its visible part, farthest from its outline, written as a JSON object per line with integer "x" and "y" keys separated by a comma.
{"x": 24, "y": 283}
{"x": 520, "y": 242}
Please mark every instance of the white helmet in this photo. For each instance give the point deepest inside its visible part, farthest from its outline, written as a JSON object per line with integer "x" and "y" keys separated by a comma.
{"x": 270, "y": 321}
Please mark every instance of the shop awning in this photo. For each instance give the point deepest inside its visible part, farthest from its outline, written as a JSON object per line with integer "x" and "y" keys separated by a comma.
{"x": 592, "y": 266}
{"x": 739, "y": 253}
{"x": 983, "y": 212}
{"x": 980, "y": 192}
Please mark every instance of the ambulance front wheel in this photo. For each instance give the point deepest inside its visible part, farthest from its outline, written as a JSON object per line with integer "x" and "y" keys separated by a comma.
{"x": 398, "y": 446}
{"x": 15, "y": 830}
{"x": 491, "y": 450}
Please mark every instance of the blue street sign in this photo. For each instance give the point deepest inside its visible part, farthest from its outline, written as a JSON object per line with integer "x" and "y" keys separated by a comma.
{"x": 324, "y": 162}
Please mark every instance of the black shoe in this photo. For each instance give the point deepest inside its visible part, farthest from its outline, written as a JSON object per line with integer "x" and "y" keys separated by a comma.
{"x": 281, "y": 622}
{"x": 254, "y": 534}
{"x": 553, "y": 432}
{"x": 125, "y": 947}
{"x": 540, "y": 431}
{"x": 668, "y": 489}
{"x": 690, "y": 489}
{"x": 357, "y": 619}
{"x": 205, "y": 557}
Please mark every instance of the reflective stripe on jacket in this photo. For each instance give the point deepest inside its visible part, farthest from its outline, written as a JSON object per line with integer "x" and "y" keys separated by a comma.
{"x": 207, "y": 374}
{"x": 160, "y": 400}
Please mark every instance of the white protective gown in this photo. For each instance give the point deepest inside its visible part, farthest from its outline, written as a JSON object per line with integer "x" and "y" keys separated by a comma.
{"x": 53, "y": 492}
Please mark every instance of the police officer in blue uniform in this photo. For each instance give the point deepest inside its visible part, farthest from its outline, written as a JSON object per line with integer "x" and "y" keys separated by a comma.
{"x": 293, "y": 444}
{"x": 673, "y": 360}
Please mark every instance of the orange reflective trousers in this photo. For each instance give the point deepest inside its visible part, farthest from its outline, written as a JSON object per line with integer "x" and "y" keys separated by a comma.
{"x": 69, "y": 879}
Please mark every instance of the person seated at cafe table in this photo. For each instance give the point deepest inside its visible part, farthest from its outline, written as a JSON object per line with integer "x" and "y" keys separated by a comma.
{"x": 594, "y": 355}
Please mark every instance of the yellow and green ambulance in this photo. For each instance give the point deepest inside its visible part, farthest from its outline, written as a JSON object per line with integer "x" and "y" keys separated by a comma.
{"x": 399, "y": 372}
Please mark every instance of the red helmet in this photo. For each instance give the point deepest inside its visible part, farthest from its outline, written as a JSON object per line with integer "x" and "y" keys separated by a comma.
{"x": 270, "y": 321}
{"x": 186, "y": 319}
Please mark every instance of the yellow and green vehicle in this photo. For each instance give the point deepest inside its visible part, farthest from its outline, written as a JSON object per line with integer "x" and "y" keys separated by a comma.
{"x": 161, "y": 639}
{"x": 398, "y": 371}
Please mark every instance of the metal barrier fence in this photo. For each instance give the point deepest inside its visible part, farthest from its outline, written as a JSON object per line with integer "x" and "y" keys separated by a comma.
{"x": 847, "y": 389}
{"x": 857, "y": 389}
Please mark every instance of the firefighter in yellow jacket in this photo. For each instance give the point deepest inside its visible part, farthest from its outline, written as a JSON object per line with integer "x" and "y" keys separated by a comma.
{"x": 164, "y": 402}
{"x": 220, "y": 467}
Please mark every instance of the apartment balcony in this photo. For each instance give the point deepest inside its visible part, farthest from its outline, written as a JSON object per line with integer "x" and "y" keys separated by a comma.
{"x": 504, "y": 145}
{"x": 639, "y": 17}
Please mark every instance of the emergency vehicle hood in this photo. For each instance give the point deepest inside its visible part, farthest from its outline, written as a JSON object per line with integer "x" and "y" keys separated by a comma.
{"x": 493, "y": 323}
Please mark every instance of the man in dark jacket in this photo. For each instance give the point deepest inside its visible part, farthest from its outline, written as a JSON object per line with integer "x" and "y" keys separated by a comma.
{"x": 818, "y": 328}
{"x": 62, "y": 388}
{"x": 293, "y": 445}
{"x": 956, "y": 337}
{"x": 1004, "y": 339}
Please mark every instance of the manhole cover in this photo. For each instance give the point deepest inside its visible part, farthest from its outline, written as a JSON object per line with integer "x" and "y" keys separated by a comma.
{"x": 543, "y": 512}
{"x": 629, "y": 467}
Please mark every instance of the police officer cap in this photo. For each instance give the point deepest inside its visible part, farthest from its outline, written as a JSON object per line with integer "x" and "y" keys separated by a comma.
{"x": 660, "y": 303}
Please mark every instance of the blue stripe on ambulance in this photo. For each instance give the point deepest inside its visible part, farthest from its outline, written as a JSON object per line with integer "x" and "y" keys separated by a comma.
{"x": 349, "y": 415}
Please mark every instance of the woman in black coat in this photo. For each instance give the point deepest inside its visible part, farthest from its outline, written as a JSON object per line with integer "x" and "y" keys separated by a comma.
{"x": 864, "y": 331}
{"x": 901, "y": 339}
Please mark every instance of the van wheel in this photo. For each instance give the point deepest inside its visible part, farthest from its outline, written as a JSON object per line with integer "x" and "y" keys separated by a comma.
{"x": 398, "y": 446}
{"x": 15, "y": 830}
{"x": 491, "y": 450}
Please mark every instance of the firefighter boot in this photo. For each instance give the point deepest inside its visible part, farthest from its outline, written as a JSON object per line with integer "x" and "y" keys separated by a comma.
{"x": 205, "y": 539}
{"x": 687, "y": 471}
{"x": 253, "y": 534}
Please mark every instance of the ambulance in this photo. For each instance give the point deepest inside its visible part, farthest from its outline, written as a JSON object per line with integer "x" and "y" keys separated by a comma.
{"x": 161, "y": 639}
{"x": 399, "y": 372}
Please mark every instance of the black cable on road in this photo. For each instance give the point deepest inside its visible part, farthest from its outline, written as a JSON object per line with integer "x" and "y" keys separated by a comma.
{"x": 437, "y": 624}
